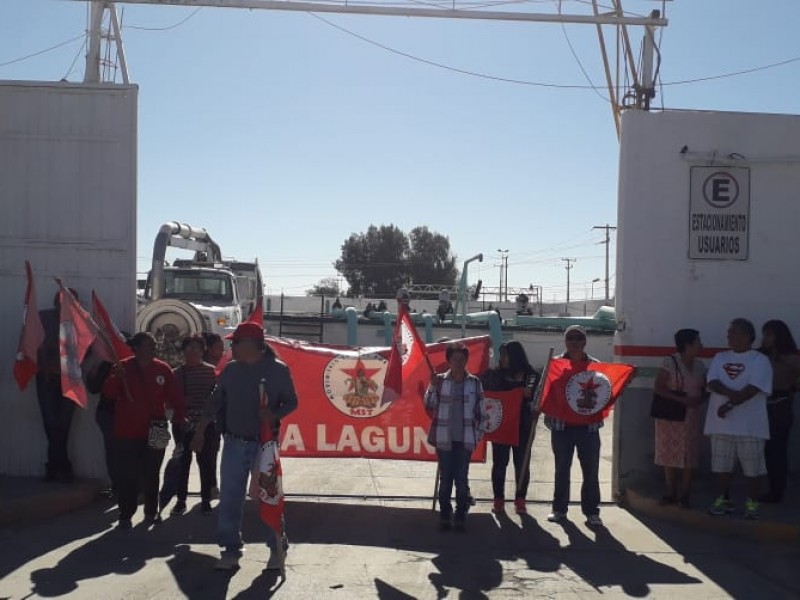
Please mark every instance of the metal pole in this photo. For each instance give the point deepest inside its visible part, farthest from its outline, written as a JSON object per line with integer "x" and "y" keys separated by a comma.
{"x": 92, "y": 72}
{"x": 123, "y": 65}
{"x": 608, "y": 229}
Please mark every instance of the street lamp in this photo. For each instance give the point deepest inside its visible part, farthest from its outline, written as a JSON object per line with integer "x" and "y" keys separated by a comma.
{"x": 595, "y": 280}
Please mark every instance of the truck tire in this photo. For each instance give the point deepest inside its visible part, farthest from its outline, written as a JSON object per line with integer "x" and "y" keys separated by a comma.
{"x": 170, "y": 321}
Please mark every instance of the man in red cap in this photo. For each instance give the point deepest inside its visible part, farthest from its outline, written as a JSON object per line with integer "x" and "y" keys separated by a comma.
{"x": 237, "y": 400}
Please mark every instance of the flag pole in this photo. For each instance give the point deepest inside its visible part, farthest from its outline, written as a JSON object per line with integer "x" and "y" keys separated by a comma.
{"x": 536, "y": 403}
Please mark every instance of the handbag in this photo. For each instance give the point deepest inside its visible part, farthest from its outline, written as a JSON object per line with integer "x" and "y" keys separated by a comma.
{"x": 668, "y": 409}
{"x": 158, "y": 434}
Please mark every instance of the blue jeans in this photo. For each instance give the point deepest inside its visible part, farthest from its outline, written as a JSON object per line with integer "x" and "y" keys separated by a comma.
{"x": 453, "y": 468}
{"x": 587, "y": 443}
{"x": 238, "y": 459}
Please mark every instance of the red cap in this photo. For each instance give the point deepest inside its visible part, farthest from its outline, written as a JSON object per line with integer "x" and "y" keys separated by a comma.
{"x": 247, "y": 331}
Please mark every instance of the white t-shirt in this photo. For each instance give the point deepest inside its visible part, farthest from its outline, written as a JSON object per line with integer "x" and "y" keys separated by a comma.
{"x": 737, "y": 370}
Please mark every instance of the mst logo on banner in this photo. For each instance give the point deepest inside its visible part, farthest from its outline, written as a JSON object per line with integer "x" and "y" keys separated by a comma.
{"x": 719, "y": 220}
{"x": 342, "y": 410}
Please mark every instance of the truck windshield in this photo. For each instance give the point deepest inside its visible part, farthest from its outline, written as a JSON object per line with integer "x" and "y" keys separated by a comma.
{"x": 198, "y": 286}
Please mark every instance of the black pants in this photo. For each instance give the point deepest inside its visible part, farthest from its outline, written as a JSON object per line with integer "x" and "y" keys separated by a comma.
{"x": 587, "y": 444}
{"x": 137, "y": 465}
{"x": 522, "y": 469}
{"x": 206, "y": 461}
{"x": 776, "y": 450}
{"x": 104, "y": 417}
{"x": 57, "y": 419}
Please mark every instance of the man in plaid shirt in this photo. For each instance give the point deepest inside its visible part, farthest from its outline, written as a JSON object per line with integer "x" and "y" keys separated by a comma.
{"x": 455, "y": 404}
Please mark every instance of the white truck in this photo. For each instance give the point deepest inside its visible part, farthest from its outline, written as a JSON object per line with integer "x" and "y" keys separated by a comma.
{"x": 203, "y": 294}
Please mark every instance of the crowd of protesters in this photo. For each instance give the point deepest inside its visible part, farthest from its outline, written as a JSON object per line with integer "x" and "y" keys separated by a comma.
{"x": 746, "y": 395}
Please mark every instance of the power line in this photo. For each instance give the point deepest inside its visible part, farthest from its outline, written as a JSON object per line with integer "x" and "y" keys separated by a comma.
{"x": 527, "y": 82}
{"x": 46, "y": 50}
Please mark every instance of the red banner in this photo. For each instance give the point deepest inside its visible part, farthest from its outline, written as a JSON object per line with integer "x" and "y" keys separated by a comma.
{"x": 583, "y": 393}
{"x": 110, "y": 344}
{"x": 340, "y": 413}
{"x": 504, "y": 410}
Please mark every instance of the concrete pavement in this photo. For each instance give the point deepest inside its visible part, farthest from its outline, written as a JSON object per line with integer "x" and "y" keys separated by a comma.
{"x": 365, "y": 543}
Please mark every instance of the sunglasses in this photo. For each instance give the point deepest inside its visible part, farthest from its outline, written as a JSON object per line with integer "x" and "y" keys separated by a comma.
{"x": 575, "y": 338}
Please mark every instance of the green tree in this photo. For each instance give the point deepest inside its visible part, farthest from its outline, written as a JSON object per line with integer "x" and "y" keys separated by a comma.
{"x": 327, "y": 286}
{"x": 384, "y": 259}
{"x": 430, "y": 260}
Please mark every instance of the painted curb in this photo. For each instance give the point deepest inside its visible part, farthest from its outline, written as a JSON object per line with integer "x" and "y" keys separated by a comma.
{"x": 760, "y": 530}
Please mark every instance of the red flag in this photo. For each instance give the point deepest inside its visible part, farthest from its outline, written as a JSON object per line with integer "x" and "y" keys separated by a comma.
{"x": 267, "y": 480}
{"x": 109, "y": 333}
{"x": 408, "y": 353}
{"x": 504, "y": 410}
{"x": 31, "y": 336}
{"x": 77, "y": 332}
{"x": 257, "y": 316}
{"x": 583, "y": 393}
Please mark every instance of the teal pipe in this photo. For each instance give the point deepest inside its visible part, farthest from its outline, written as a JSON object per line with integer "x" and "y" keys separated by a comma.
{"x": 388, "y": 330}
{"x": 428, "y": 319}
{"x": 496, "y": 333}
{"x": 351, "y": 314}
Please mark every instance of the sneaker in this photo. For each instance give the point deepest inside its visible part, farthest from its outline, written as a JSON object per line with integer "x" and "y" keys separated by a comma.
{"x": 751, "y": 509}
{"x": 206, "y": 509}
{"x": 722, "y": 506}
{"x": 274, "y": 563}
{"x": 444, "y": 524}
{"x": 124, "y": 525}
{"x": 556, "y": 517}
{"x": 594, "y": 521}
{"x": 227, "y": 563}
{"x": 498, "y": 507}
{"x": 215, "y": 493}
{"x": 178, "y": 509}
{"x": 519, "y": 506}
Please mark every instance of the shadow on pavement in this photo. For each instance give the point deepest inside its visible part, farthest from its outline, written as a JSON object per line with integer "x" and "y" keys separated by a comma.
{"x": 19, "y": 549}
{"x": 765, "y": 570}
{"x": 470, "y": 561}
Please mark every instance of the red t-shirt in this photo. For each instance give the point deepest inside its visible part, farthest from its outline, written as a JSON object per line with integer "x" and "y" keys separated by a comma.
{"x": 150, "y": 389}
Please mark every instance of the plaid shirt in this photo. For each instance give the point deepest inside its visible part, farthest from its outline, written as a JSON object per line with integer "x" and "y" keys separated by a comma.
{"x": 559, "y": 425}
{"x": 438, "y": 402}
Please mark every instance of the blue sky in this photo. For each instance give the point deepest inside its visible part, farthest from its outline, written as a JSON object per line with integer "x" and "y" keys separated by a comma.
{"x": 283, "y": 135}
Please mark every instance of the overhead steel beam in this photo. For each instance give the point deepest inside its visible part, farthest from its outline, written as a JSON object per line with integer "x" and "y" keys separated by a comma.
{"x": 401, "y": 11}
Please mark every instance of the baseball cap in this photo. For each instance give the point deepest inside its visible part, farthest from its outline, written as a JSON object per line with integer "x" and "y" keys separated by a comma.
{"x": 246, "y": 331}
{"x": 575, "y": 328}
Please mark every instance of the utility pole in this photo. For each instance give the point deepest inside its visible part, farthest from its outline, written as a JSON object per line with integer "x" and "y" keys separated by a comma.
{"x": 569, "y": 267}
{"x": 608, "y": 229}
{"x": 503, "y": 275}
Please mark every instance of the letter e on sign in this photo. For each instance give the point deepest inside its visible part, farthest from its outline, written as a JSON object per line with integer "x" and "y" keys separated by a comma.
{"x": 721, "y": 189}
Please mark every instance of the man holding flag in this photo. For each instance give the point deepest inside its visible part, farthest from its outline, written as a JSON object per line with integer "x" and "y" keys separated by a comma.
{"x": 577, "y": 396}
{"x": 253, "y": 390}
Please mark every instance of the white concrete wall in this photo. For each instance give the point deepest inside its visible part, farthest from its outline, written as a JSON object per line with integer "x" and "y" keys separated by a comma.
{"x": 659, "y": 289}
{"x": 68, "y": 199}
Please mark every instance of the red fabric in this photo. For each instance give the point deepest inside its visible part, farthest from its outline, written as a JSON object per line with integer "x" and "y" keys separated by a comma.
{"x": 504, "y": 410}
{"x": 407, "y": 354}
{"x": 141, "y": 396}
{"x": 77, "y": 332}
{"x": 592, "y": 395}
{"x": 119, "y": 349}
{"x": 31, "y": 336}
{"x": 340, "y": 413}
{"x": 269, "y": 479}
{"x": 257, "y": 316}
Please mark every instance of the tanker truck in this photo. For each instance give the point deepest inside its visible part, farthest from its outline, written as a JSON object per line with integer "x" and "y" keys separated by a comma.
{"x": 205, "y": 293}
